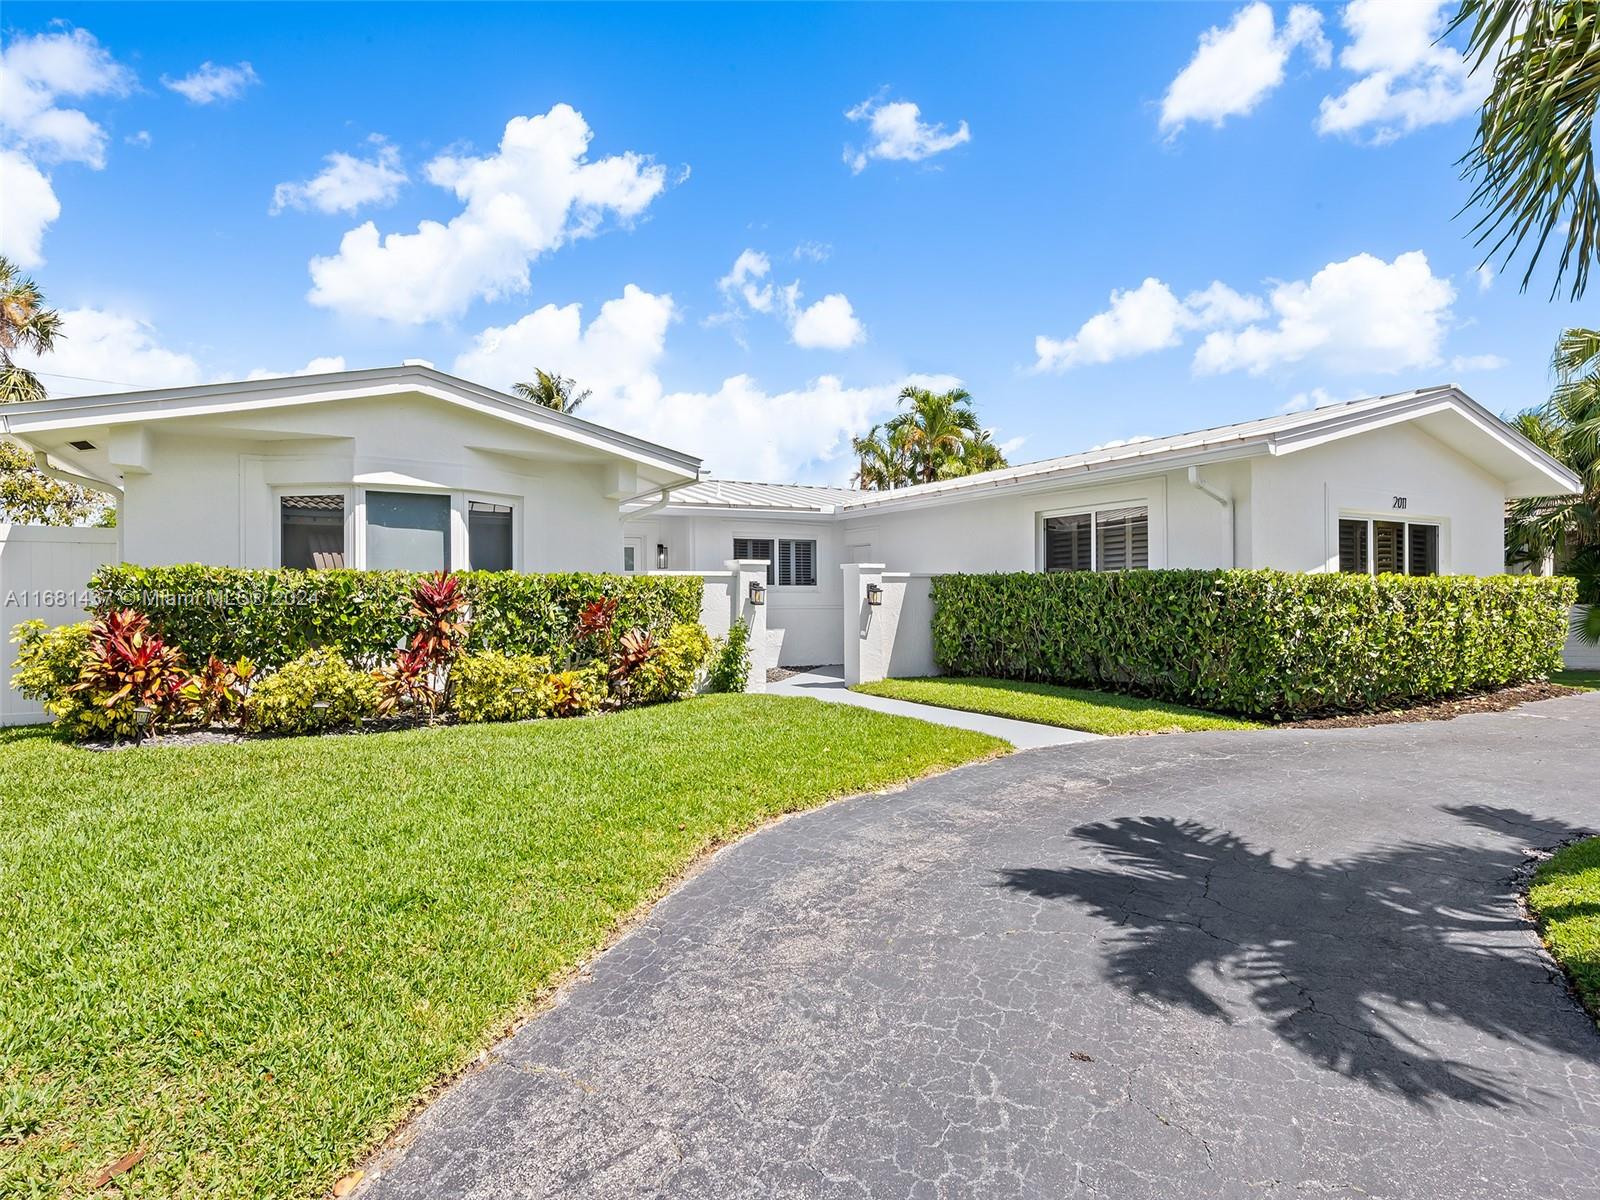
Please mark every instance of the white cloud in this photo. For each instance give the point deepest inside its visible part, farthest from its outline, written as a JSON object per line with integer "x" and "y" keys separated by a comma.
{"x": 1485, "y": 278}
{"x": 208, "y": 83}
{"x": 1305, "y": 401}
{"x": 1236, "y": 67}
{"x": 35, "y": 72}
{"x": 1114, "y": 443}
{"x": 29, "y": 208}
{"x": 537, "y": 192}
{"x": 827, "y": 324}
{"x": 1407, "y": 79}
{"x": 1478, "y": 362}
{"x": 140, "y": 139}
{"x": 100, "y": 351}
{"x": 346, "y": 183}
{"x": 741, "y": 429}
{"x": 1146, "y": 318}
{"x": 899, "y": 134}
{"x": 1362, "y": 314}
{"x": 812, "y": 252}
{"x": 317, "y": 366}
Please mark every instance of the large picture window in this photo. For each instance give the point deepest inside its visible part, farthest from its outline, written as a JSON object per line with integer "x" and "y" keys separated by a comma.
{"x": 312, "y": 532}
{"x": 791, "y": 562}
{"x": 1368, "y": 546}
{"x": 408, "y": 531}
{"x": 1107, "y": 539}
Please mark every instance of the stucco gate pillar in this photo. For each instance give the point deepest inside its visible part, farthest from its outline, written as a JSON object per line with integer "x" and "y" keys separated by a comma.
{"x": 745, "y": 572}
{"x": 866, "y": 652}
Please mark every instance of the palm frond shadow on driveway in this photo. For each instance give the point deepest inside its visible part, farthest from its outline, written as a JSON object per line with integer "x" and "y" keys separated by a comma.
{"x": 1345, "y": 960}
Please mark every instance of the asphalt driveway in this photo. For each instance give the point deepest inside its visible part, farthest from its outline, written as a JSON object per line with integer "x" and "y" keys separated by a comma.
{"x": 1283, "y": 963}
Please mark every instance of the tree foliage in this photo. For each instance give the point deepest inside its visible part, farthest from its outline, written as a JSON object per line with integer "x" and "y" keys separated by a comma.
{"x": 553, "y": 391}
{"x": 1532, "y": 165}
{"x": 936, "y": 436}
{"x": 1565, "y": 530}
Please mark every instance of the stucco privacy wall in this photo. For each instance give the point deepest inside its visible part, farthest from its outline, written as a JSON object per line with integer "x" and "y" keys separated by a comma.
{"x": 210, "y": 494}
{"x": 1364, "y": 476}
{"x": 802, "y": 622}
{"x": 44, "y": 575}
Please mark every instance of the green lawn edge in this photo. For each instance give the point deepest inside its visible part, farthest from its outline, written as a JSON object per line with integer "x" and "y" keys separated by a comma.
{"x": 1565, "y": 899}
{"x": 1589, "y": 680}
{"x": 1109, "y": 713}
{"x": 251, "y": 960}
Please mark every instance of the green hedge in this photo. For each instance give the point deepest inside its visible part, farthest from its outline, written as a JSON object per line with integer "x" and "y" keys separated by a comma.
{"x": 273, "y": 616}
{"x": 1260, "y": 643}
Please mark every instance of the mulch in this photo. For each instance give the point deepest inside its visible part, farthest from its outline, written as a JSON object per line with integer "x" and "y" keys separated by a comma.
{"x": 1443, "y": 710}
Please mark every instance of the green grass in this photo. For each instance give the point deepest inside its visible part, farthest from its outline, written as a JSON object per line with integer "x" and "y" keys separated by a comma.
{"x": 1589, "y": 680}
{"x": 249, "y": 959}
{"x": 1070, "y": 708}
{"x": 1566, "y": 899}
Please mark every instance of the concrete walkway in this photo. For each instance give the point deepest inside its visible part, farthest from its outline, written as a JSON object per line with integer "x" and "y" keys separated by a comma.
{"x": 1271, "y": 965}
{"x": 827, "y": 683}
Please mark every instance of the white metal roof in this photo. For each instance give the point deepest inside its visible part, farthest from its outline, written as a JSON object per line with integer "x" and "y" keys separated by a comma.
{"x": 1528, "y": 470}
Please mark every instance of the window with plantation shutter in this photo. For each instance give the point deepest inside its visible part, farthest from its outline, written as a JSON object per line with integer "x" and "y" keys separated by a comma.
{"x": 1368, "y": 546}
{"x": 1353, "y": 547}
{"x": 1422, "y": 549}
{"x": 757, "y": 548}
{"x": 1067, "y": 543}
{"x": 1122, "y": 539}
{"x": 1388, "y": 547}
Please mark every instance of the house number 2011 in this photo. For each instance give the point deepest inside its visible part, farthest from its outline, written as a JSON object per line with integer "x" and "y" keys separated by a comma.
{"x": 1399, "y": 501}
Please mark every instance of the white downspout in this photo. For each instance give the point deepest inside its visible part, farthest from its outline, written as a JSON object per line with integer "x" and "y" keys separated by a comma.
{"x": 41, "y": 461}
{"x": 1222, "y": 498}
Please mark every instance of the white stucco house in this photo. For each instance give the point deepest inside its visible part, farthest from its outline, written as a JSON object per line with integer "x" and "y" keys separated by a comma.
{"x": 409, "y": 467}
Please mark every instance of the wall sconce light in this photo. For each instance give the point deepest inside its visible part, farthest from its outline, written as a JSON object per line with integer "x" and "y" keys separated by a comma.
{"x": 874, "y": 595}
{"x": 758, "y": 592}
{"x": 661, "y": 556}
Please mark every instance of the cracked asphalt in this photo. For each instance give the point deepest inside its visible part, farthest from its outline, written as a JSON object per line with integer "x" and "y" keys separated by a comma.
{"x": 1279, "y": 963}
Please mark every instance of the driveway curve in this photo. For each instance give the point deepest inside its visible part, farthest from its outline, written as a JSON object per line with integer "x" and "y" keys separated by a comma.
{"x": 1281, "y": 963}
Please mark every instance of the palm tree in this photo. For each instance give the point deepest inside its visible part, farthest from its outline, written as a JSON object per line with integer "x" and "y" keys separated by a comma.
{"x": 1533, "y": 161}
{"x": 552, "y": 391}
{"x": 1564, "y": 531}
{"x": 25, "y": 324}
{"x": 883, "y": 461}
{"x": 936, "y": 426}
{"x": 978, "y": 453}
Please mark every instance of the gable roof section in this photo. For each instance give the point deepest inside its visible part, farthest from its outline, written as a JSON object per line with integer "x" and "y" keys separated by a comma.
{"x": 714, "y": 494}
{"x": 42, "y": 416}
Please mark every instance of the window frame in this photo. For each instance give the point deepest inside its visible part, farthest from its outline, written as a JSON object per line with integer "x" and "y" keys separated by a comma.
{"x": 1406, "y": 520}
{"x": 468, "y": 499}
{"x": 345, "y": 495}
{"x": 1092, "y": 512}
{"x": 774, "y": 571}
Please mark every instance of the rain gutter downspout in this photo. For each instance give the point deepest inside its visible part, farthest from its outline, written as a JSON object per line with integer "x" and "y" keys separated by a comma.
{"x": 1222, "y": 498}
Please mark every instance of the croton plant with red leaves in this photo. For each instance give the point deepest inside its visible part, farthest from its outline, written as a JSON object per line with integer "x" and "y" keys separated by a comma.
{"x": 129, "y": 666}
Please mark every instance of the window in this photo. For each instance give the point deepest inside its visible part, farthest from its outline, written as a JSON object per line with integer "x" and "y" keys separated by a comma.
{"x": 790, "y": 562}
{"x": 1112, "y": 539}
{"x": 630, "y": 559}
{"x": 1373, "y": 547}
{"x": 408, "y": 531}
{"x": 488, "y": 536}
{"x": 312, "y": 529}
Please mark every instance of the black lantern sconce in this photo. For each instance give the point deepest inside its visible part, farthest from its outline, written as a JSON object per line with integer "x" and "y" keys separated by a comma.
{"x": 874, "y": 595}
{"x": 661, "y": 556}
{"x": 758, "y": 592}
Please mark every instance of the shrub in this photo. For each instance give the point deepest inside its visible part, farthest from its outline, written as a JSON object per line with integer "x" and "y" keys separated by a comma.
{"x": 49, "y": 659}
{"x": 1261, "y": 643}
{"x": 218, "y": 692}
{"x": 671, "y": 671}
{"x": 491, "y": 686}
{"x": 576, "y": 692}
{"x": 128, "y": 667}
{"x": 272, "y": 616}
{"x": 286, "y": 700}
{"x": 730, "y": 661}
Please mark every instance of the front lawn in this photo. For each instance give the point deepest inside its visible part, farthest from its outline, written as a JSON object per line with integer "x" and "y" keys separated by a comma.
{"x": 1048, "y": 704}
{"x": 245, "y": 961}
{"x": 1588, "y": 680}
{"x": 1566, "y": 899}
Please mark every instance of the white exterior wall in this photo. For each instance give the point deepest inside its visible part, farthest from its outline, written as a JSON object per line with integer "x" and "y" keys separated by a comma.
{"x": 44, "y": 575}
{"x": 212, "y": 497}
{"x": 802, "y": 622}
{"x": 1362, "y": 476}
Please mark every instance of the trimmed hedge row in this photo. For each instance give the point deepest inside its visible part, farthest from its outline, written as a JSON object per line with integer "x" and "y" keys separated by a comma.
{"x": 1261, "y": 643}
{"x": 273, "y": 616}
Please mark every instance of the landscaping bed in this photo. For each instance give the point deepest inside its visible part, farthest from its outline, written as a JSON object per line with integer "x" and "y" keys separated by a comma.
{"x": 1565, "y": 901}
{"x": 1109, "y": 713}
{"x": 1498, "y": 700}
{"x": 235, "y": 967}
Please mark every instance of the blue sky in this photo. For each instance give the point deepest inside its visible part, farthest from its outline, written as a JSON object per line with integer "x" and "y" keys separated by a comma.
{"x": 1271, "y": 191}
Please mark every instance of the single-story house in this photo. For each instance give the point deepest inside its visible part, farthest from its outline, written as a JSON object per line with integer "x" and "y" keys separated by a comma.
{"x": 410, "y": 467}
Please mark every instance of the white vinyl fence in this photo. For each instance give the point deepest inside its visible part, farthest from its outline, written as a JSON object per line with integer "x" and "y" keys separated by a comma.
{"x": 1578, "y": 654}
{"x": 44, "y": 575}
